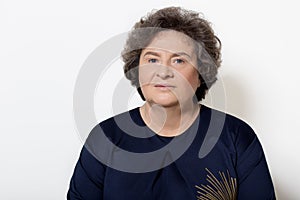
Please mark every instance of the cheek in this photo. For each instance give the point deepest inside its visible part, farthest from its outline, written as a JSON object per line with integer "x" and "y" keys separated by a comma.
{"x": 146, "y": 74}
{"x": 196, "y": 80}
{"x": 192, "y": 78}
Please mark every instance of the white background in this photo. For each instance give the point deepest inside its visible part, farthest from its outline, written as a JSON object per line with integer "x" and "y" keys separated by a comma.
{"x": 43, "y": 45}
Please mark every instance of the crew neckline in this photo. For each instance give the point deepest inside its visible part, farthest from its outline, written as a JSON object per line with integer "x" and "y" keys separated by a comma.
{"x": 168, "y": 138}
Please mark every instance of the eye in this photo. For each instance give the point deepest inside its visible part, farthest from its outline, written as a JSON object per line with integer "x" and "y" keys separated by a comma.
{"x": 178, "y": 61}
{"x": 152, "y": 60}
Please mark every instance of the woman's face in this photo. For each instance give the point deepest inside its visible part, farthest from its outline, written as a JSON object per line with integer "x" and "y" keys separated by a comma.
{"x": 167, "y": 69}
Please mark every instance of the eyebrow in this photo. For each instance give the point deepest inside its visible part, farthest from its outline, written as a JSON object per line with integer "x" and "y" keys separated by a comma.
{"x": 173, "y": 54}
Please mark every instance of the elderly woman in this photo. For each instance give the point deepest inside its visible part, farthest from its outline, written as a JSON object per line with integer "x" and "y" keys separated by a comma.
{"x": 172, "y": 147}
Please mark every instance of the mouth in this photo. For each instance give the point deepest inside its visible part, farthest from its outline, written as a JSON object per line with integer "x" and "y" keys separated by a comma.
{"x": 162, "y": 85}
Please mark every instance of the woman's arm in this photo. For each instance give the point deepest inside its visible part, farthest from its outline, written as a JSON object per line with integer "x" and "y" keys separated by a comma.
{"x": 87, "y": 179}
{"x": 254, "y": 179}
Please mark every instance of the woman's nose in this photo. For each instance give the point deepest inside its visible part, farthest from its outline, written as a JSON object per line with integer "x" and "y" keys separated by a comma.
{"x": 164, "y": 71}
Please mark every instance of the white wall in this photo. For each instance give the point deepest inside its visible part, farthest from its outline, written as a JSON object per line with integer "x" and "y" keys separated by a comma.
{"x": 43, "y": 45}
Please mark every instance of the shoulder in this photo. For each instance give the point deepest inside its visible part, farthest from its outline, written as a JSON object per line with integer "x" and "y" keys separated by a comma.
{"x": 239, "y": 137}
{"x": 114, "y": 126}
{"x": 119, "y": 119}
{"x": 104, "y": 135}
{"x": 238, "y": 130}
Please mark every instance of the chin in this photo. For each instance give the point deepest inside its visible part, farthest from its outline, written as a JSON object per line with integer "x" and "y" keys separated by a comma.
{"x": 168, "y": 105}
{"x": 164, "y": 102}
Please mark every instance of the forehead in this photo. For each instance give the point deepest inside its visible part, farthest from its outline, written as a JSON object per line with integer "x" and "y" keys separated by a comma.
{"x": 172, "y": 41}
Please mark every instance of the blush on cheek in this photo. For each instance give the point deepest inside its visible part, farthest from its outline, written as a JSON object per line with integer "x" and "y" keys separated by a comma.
{"x": 146, "y": 74}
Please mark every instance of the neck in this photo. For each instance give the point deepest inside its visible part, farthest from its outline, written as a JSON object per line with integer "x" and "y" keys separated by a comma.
{"x": 169, "y": 121}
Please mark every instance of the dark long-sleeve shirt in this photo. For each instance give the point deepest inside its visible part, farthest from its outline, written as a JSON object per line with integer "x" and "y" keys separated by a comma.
{"x": 218, "y": 157}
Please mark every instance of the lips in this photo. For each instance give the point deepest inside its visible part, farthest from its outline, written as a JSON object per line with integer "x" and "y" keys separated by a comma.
{"x": 163, "y": 85}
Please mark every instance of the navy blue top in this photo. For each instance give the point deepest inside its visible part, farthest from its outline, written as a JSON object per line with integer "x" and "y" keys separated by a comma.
{"x": 225, "y": 165}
